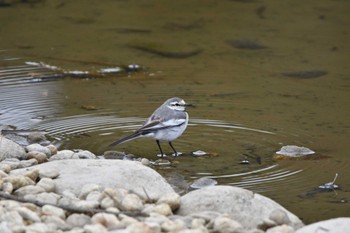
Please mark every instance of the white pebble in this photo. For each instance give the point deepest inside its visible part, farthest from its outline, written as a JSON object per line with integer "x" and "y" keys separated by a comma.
{"x": 29, "y": 189}
{"x": 163, "y": 209}
{"x": 28, "y": 214}
{"x": 225, "y": 224}
{"x": 78, "y": 220}
{"x": 53, "y": 210}
{"x": 281, "y": 229}
{"x": 109, "y": 221}
{"x": 88, "y": 188}
{"x": 131, "y": 202}
{"x": 47, "y": 184}
{"x": 95, "y": 228}
{"x": 172, "y": 199}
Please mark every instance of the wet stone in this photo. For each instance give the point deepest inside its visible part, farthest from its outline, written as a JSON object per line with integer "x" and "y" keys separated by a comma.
{"x": 203, "y": 182}
{"x": 294, "y": 151}
{"x": 39, "y": 148}
{"x": 36, "y": 137}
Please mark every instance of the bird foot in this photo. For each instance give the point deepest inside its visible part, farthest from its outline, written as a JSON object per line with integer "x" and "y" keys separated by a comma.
{"x": 176, "y": 154}
{"x": 161, "y": 155}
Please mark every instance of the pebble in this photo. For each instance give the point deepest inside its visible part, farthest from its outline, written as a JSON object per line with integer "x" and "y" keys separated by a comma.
{"x": 18, "y": 181}
{"x": 281, "y": 229}
{"x": 32, "y": 174}
{"x": 2, "y": 174}
{"x": 225, "y": 224}
{"x": 27, "y": 214}
{"x": 53, "y": 210}
{"x": 131, "y": 202}
{"x": 38, "y": 156}
{"x": 109, "y": 221}
{"x": 53, "y": 149}
{"x": 88, "y": 188}
{"x": 139, "y": 227}
{"x": 36, "y": 137}
{"x": 163, "y": 209}
{"x": 78, "y": 220}
{"x": 63, "y": 154}
{"x": 49, "y": 174}
{"x": 172, "y": 199}
{"x": 29, "y": 189}
{"x": 39, "y": 148}
{"x": 27, "y": 163}
{"x": 7, "y": 187}
{"x": 49, "y": 198}
{"x": 95, "y": 228}
{"x": 280, "y": 217}
{"x": 47, "y": 184}
{"x": 58, "y": 222}
{"x": 5, "y": 168}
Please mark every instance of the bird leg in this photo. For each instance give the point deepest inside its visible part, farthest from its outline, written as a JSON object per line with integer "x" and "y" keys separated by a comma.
{"x": 176, "y": 154}
{"x": 160, "y": 148}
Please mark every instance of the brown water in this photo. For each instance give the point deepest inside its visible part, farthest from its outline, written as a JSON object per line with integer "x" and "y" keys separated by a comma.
{"x": 245, "y": 107}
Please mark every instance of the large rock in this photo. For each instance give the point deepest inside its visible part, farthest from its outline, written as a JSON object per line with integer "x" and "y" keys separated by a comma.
{"x": 10, "y": 149}
{"x": 130, "y": 175}
{"x": 252, "y": 210}
{"x": 335, "y": 225}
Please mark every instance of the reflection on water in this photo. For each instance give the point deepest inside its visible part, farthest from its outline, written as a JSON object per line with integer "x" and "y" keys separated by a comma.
{"x": 263, "y": 74}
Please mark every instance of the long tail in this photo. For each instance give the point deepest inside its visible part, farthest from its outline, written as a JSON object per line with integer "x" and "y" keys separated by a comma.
{"x": 127, "y": 138}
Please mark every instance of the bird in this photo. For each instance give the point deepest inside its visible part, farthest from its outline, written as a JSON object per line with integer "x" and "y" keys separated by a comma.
{"x": 166, "y": 124}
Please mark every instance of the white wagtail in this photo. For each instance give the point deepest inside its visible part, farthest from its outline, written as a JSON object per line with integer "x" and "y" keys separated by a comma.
{"x": 166, "y": 124}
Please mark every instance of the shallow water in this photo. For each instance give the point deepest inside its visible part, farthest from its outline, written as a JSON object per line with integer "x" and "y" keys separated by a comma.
{"x": 245, "y": 107}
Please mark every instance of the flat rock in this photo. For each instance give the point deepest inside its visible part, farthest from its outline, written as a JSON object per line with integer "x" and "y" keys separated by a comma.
{"x": 10, "y": 149}
{"x": 129, "y": 175}
{"x": 335, "y": 225}
{"x": 248, "y": 208}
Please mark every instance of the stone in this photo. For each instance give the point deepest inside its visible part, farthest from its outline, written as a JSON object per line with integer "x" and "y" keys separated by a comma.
{"x": 225, "y": 224}
{"x": 78, "y": 220}
{"x": 10, "y": 149}
{"x": 3, "y": 174}
{"x": 172, "y": 226}
{"x": 334, "y": 225}
{"x": 27, "y": 163}
{"x": 18, "y": 181}
{"x": 163, "y": 209}
{"x": 29, "y": 189}
{"x": 57, "y": 221}
{"x": 94, "y": 196}
{"x": 47, "y": 184}
{"x": 139, "y": 227}
{"x": 84, "y": 154}
{"x": 53, "y": 149}
{"x": 129, "y": 175}
{"x": 28, "y": 215}
{"x": 48, "y": 198}
{"x": 12, "y": 217}
{"x": 248, "y": 208}
{"x": 7, "y": 187}
{"x": 109, "y": 221}
{"x": 39, "y": 148}
{"x": 36, "y": 137}
{"x": 39, "y": 156}
{"x": 131, "y": 202}
{"x": 281, "y": 229}
{"x": 38, "y": 228}
{"x": 107, "y": 202}
{"x": 126, "y": 220}
{"x": 14, "y": 163}
{"x": 5, "y": 227}
{"x": 95, "y": 228}
{"x": 87, "y": 188}
{"x": 53, "y": 210}
{"x": 172, "y": 199}
{"x": 49, "y": 174}
{"x": 63, "y": 154}
{"x": 86, "y": 205}
{"x": 279, "y": 216}
{"x": 32, "y": 174}
{"x": 5, "y": 167}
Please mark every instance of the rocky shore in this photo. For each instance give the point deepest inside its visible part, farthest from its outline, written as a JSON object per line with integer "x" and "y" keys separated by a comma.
{"x": 46, "y": 190}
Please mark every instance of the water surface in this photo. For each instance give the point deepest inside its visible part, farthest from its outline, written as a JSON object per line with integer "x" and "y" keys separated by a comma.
{"x": 246, "y": 107}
